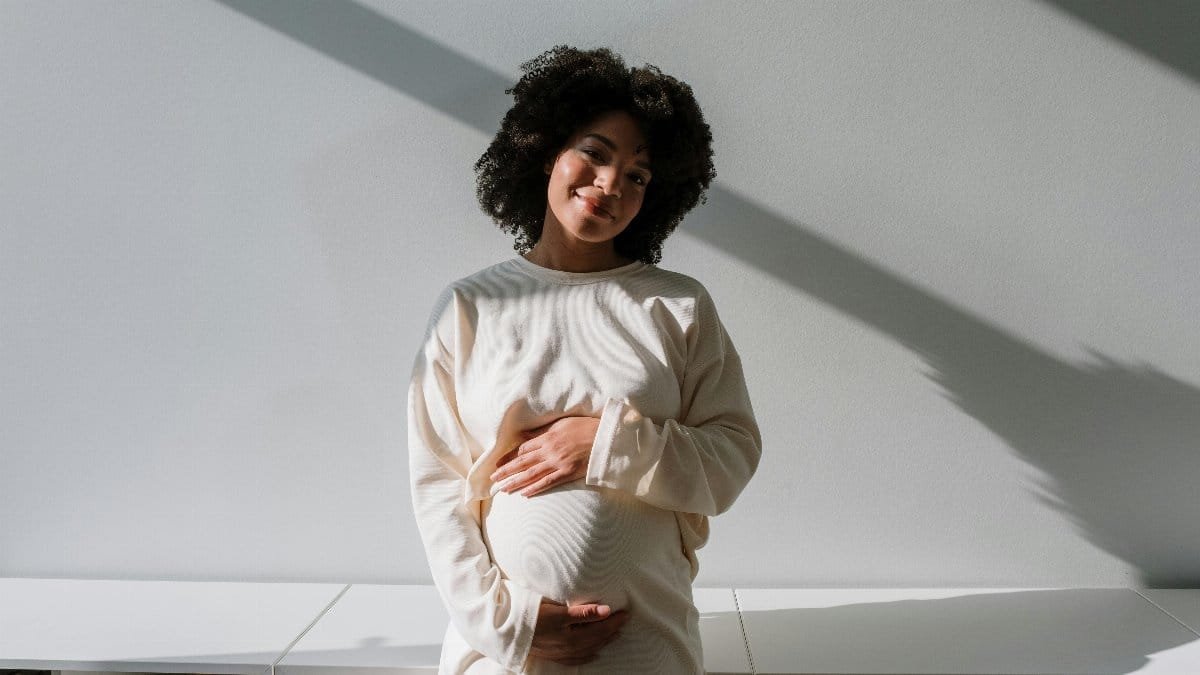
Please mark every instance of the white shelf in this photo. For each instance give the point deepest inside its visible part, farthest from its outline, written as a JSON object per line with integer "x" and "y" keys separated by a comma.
{"x": 153, "y": 626}
{"x": 970, "y": 630}
{"x": 373, "y": 630}
{"x": 334, "y": 629}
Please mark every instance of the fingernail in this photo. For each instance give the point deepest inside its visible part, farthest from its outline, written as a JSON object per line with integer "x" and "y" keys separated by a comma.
{"x": 603, "y": 610}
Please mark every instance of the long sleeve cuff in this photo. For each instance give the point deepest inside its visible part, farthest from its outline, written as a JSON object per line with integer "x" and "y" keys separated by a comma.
{"x": 605, "y": 466}
{"x": 693, "y": 469}
{"x": 527, "y": 603}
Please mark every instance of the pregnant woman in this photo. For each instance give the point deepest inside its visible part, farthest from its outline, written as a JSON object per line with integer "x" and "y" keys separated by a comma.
{"x": 576, "y": 413}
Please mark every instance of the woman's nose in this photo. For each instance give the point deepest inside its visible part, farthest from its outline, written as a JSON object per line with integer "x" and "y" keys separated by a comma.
{"x": 607, "y": 181}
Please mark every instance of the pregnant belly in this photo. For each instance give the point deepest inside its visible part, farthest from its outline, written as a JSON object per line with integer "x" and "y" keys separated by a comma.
{"x": 578, "y": 543}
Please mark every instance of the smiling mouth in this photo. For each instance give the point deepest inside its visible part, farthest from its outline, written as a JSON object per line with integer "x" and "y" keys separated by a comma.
{"x": 596, "y": 207}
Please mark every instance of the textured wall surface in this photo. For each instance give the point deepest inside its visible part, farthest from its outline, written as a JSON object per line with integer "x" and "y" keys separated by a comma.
{"x": 955, "y": 243}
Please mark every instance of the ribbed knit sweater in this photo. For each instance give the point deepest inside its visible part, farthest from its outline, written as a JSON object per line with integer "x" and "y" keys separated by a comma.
{"x": 516, "y": 346}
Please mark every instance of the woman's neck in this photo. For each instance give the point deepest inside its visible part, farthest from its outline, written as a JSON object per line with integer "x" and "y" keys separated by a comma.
{"x": 566, "y": 260}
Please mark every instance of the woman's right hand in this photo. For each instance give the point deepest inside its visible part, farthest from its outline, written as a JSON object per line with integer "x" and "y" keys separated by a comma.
{"x": 572, "y": 635}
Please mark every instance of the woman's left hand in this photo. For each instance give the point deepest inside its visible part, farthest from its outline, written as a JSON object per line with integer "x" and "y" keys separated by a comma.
{"x": 551, "y": 455}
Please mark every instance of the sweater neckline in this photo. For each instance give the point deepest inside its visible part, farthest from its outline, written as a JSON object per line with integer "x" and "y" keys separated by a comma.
{"x": 563, "y": 277}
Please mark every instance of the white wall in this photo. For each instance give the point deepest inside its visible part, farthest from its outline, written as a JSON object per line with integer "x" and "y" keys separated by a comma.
{"x": 955, "y": 243}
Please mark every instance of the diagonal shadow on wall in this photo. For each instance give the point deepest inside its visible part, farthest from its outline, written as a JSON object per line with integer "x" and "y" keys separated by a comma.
{"x": 1119, "y": 444}
{"x": 1165, "y": 30}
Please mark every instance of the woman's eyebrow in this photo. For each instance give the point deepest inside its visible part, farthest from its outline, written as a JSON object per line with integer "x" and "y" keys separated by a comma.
{"x": 613, "y": 146}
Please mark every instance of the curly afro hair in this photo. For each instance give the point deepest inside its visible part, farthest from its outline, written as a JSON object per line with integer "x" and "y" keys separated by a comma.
{"x": 561, "y": 90}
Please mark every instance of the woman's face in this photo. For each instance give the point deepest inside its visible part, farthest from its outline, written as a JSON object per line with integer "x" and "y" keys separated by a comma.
{"x": 598, "y": 179}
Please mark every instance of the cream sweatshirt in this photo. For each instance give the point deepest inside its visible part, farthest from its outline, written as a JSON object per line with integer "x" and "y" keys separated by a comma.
{"x": 516, "y": 346}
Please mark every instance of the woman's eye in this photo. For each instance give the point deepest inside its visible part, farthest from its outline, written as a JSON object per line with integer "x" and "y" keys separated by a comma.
{"x": 637, "y": 178}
